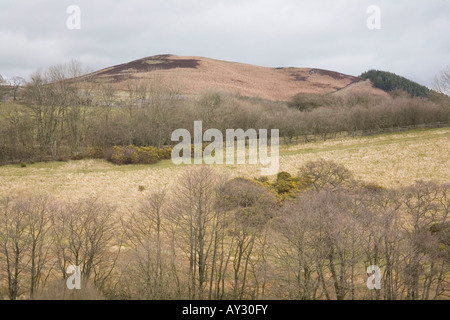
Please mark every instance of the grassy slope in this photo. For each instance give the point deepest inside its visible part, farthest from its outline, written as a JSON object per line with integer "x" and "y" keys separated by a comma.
{"x": 389, "y": 159}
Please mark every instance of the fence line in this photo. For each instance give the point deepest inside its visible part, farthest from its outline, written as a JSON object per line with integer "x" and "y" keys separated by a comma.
{"x": 313, "y": 137}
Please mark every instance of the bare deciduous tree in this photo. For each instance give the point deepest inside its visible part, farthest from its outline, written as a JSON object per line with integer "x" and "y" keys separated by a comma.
{"x": 146, "y": 233}
{"x": 323, "y": 174}
{"x": 84, "y": 233}
{"x": 2, "y": 87}
{"x": 195, "y": 216}
{"x": 16, "y": 83}
{"x": 252, "y": 206}
{"x": 442, "y": 81}
{"x": 25, "y": 243}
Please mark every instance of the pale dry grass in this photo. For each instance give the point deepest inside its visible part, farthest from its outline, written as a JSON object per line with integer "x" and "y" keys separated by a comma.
{"x": 88, "y": 178}
{"x": 389, "y": 160}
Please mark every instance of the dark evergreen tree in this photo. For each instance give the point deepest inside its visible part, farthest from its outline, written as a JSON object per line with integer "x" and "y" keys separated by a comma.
{"x": 390, "y": 81}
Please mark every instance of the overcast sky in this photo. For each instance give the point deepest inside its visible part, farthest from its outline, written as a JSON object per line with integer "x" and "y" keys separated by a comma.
{"x": 414, "y": 39}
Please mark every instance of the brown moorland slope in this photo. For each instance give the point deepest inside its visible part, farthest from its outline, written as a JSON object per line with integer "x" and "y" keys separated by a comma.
{"x": 194, "y": 75}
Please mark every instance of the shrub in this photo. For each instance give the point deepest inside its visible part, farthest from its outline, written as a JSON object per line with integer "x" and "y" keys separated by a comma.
{"x": 96, "y": 153}
{"x": 118, "y": 156}
{"x": 23, "y": 164}
{"x": 137, "y": 155}
{"x": 144, "y": 155}
{"x": 283, "y": 175}
{"x": 262, "y": 179}
{"x": 165, "y": 153}
{"x": 108, "y": 154}
{"x": 77, "y": 156}
{"x": 285, "y": 185}
{"x": 251, "y": 202}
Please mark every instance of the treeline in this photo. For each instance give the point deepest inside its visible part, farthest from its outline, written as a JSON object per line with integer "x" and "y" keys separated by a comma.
{"x": 211, "y": 237}
{"x": 61, "y": 115}
{"x": 389, "y": 81}
{"x": 359, "y": 113}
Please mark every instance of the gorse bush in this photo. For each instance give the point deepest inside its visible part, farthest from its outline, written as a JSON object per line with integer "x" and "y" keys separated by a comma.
{"x": 283, "y": 175}
{"x": 119, "y": 156}
{"x": 165, "y": 153}
{"x": 144, "y": 155}
{"x": 285, "y": 185}
{"x": 96, "y": 153}
{"x": 137, "y": 155}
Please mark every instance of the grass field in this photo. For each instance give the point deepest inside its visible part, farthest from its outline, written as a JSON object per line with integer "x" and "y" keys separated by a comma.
{"x": 390, "y": 160}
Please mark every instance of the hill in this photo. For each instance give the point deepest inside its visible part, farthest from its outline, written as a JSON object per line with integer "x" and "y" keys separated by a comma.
{"x": 194, "y": 75}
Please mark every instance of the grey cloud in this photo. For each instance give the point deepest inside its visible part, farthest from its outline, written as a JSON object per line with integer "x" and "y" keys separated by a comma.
{"x": 330, "y": 34}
